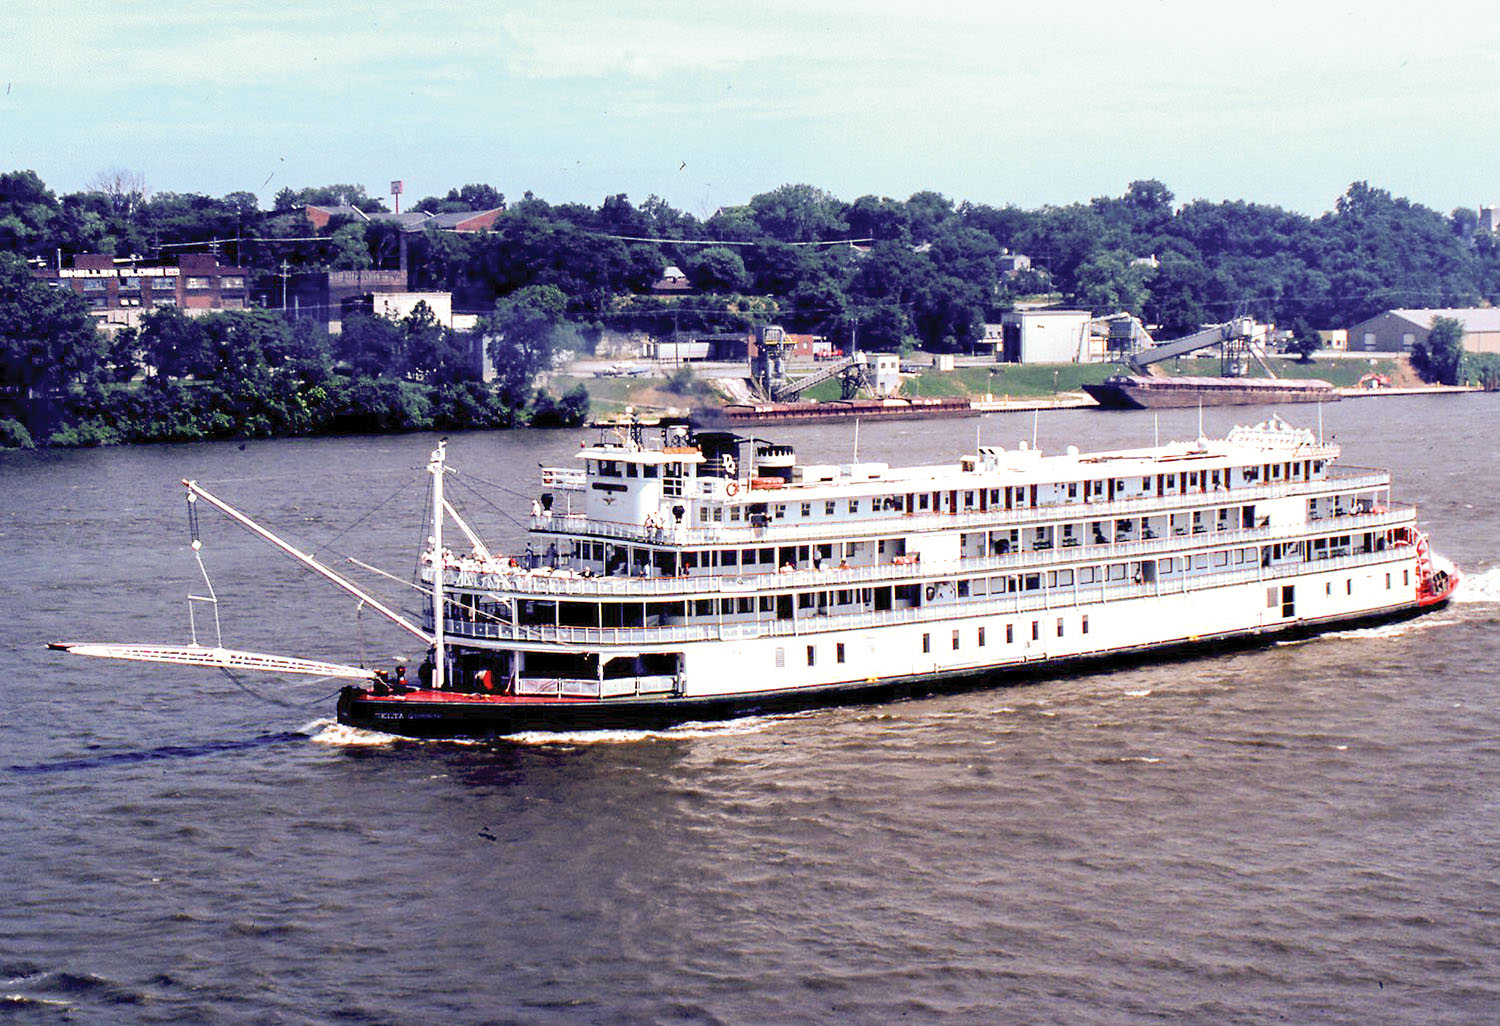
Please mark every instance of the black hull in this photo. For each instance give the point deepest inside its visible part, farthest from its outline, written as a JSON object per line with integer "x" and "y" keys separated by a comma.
{"x": 1127, "y": 393}
{"x": 450, "y": 716}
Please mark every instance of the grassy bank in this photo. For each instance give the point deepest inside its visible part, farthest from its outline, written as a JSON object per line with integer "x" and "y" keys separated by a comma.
{"x": 612, "y": 395}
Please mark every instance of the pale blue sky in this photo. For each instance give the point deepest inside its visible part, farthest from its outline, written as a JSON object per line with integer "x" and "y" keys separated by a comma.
{"x": 708, "y": 104}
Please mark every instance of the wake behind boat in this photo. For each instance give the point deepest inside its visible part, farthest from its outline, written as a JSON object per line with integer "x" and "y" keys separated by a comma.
{"x": 677, "y": 576}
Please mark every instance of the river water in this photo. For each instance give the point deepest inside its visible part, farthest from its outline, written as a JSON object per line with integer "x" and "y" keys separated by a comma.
{"x": 1305, "y": 832}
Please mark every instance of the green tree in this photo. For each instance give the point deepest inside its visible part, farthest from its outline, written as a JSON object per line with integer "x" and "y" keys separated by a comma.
{"x": 349, "y": 251}
{"x": 436, "y": 354}
{"x": 799, "y": 213}
{"x": 1111, "y": 282}
{"x": 48, "y": 341}
{"x": 175, "y": 344}
{"x": 328, "y": 196}
{"x": 716, "y": 269}
{"x": 373, "y": 346}
{"x": 1305, "y": 341}
{"x": 519, "y": 337}
{"x": 1439, "y": 357}
{"x": 27, "y": 212}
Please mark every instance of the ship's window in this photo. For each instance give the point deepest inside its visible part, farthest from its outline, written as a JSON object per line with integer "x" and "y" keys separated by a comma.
{"x": 853, "y": 506}
{"x": 1085, "y": 625}
{"x": 703, "y": 514}
{"x": 981, "y": 637}
{"x": 734, "y": 512}
{"x": 1349, "y": 586}
{"x": 718, "y": 514}
{"x": 807, "y": 509}
{"x": 963, "y": 589}
{"x": 1059, "y": 626}
{"x": 1036, "y": 630}
{"x": 1072, "y": 489}
{"x": 927, "y": 643}
{"x": 828, "y": 508}
{"x": 1406, "y": 578}
{"x": 728, "y": 557}
{"x": 955, "y": 641}
{"x": 703, "y": 607}
{"x": 778, "y": 511}
{"x": 631, "y": 470}
{"x": 1273, "y": 597}
{"x": 1166, "y": 564}
{"x": 812, "y": 655}
{"x": 766, "y": 604}
{"x": 838, "y": 651}
{"x": 1387, "y": 582}
{"x": 1221, "y": 559}
{"x": 780, "y": 658}
{"x": 649, "y": 470}
{"x": 1010, "y": 634}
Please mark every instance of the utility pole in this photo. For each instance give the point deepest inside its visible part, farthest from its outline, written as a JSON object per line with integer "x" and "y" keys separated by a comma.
{"x": 285, "y": 274}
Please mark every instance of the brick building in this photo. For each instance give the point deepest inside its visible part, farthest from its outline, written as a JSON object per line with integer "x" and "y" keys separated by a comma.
{"x": 118, "y": 290}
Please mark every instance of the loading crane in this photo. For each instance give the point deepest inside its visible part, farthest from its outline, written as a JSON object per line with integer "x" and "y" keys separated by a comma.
{"x": 850, "y": 371}
{"x": 1239, "y": 339}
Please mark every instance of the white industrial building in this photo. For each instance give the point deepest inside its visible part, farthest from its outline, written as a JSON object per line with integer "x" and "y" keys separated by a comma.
{"x": 1046, "y": 336}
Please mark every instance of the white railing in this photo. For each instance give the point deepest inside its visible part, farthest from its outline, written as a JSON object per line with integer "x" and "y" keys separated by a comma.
{"x": 567, "y": 479}
{"x": 1345, "y": 479}
{"x": 1009, "y": 603}
{"x": 570, "y": 585}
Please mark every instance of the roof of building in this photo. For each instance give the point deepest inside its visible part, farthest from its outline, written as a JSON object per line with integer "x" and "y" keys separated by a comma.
{"x": 1485, "y": 318}
{"x": 416, "y": 220}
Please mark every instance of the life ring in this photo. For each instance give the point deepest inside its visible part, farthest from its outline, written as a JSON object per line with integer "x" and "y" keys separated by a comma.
{"x": 733, "y": 488}
{"x": 931, "y": 591}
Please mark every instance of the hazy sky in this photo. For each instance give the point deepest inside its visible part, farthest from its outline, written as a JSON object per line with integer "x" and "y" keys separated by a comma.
{"x": 708, "y": 104}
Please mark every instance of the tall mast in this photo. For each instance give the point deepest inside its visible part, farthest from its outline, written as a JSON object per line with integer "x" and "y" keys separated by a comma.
{"x": 436, "y": 469}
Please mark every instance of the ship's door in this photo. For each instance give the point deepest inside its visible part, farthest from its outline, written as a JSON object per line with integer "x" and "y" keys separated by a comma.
{"x": 783, "y": 607}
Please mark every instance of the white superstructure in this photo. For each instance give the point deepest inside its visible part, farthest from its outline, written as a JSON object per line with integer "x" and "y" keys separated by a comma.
{"x": 712, "y": 565}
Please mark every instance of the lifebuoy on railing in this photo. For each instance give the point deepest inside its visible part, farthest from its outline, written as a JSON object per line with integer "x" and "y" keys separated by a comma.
{"x": 733, "y": 488}
{"x": 931, "y": 591}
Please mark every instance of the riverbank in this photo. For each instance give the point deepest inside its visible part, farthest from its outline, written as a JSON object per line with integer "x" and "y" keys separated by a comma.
{"x": 990, "y": 387}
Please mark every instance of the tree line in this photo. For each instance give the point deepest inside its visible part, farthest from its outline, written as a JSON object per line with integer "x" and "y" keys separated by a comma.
{"x": 877, "y": 272}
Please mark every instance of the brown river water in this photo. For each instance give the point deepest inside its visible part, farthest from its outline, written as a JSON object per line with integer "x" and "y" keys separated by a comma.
{"x": 1303, "y": 832}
